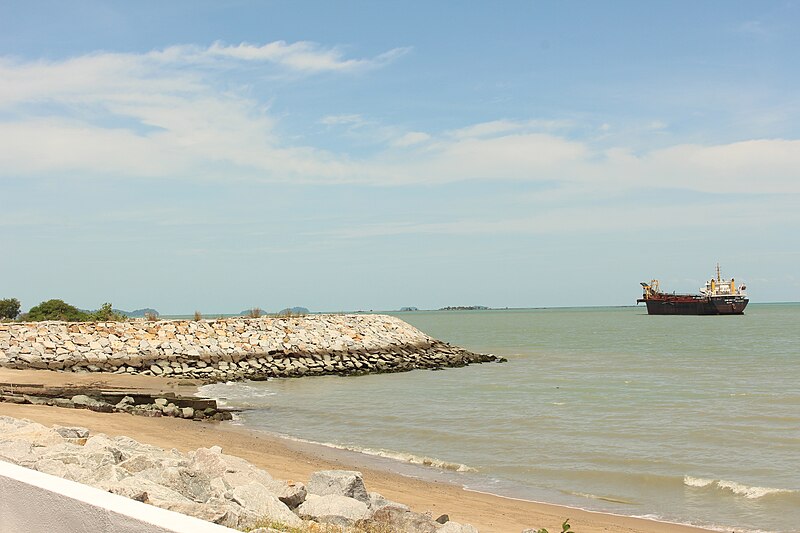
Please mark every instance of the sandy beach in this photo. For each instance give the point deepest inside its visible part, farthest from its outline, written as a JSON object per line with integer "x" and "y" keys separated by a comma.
{"x": 286, "y": 459}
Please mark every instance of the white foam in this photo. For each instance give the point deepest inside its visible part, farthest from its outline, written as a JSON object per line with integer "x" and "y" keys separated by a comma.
{"x": 396, "y": 456}
{"x": 738, "y": 489}
{"x": 697, "y": 481}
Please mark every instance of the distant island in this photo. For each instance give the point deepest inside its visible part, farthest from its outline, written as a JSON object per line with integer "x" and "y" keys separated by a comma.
{"x": 465, "y": 308}
{"x": 138, "y": 313}
{"x": 402, "y": 309}
{"x": 293, "y": 311}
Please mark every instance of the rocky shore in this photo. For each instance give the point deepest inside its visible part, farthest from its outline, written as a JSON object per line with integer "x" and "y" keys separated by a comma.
{"x": 230, "y": 349}
{"x": 208, "y": 484}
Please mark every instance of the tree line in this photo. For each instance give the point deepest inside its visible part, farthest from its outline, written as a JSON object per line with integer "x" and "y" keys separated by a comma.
{"x": 57, "y": 310}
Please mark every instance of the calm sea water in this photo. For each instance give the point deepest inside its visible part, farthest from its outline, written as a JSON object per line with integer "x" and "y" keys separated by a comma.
{"x": 686, "y": 419}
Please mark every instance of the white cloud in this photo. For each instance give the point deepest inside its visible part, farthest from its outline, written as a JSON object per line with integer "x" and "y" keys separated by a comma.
{"x": 411, "y": 138}
{"x": 165, "y": 114}
{"x": 302, "y": 55}
{"x": 338, "y": 120}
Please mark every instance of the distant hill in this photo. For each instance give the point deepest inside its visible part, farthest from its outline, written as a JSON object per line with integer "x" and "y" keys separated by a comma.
{"x": 138, "y": 313}
{"x": 294, "y": 311}
{"x": 409, "y": 309}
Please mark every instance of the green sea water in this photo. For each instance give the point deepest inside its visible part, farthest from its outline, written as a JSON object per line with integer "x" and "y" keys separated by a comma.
{"x": 680, "y": 418}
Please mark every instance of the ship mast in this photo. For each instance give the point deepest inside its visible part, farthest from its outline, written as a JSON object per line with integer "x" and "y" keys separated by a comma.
{"x": 719, "y": 278}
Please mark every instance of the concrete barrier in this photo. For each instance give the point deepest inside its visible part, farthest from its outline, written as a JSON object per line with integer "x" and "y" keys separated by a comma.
{"x": 34, "y": 501}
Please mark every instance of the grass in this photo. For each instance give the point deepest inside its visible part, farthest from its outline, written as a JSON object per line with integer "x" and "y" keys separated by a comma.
{"x": 313, "y": 527}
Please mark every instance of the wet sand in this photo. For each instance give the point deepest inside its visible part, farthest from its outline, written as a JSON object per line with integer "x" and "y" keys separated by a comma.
{"x": 294, "y": 461}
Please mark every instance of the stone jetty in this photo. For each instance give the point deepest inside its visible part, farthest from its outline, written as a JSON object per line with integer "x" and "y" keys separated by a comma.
{"x": 210, "y": 485}
{"x": 232, "y": 348}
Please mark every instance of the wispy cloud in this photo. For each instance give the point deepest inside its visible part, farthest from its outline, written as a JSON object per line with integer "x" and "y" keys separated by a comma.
{"x": 173, "y": 114}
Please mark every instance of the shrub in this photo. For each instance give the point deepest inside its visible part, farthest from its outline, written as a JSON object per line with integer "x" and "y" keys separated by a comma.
{"x": 9, "y": 308}
{"x": 197, "y": 316}
{"x": 254, "y": 313}
{"x": 57, "y": 310}
{"x": 150, "y": 316}
{"x": 106, "y": 314}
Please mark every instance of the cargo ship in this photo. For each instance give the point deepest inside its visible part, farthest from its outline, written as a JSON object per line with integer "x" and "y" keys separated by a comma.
{"x": 718, "y": 297}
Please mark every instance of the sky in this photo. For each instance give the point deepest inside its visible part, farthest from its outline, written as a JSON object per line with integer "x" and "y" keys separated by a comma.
{"x": 223, "y": 155}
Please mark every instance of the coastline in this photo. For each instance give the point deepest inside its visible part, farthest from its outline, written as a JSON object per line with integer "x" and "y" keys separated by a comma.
{"x": 290, "y": 460}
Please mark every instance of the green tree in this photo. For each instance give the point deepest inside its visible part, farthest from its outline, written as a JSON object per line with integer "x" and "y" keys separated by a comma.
{"x": 57, "y": 310}
{"x": 9, "y": 308}
{"x": 106, "y": 314}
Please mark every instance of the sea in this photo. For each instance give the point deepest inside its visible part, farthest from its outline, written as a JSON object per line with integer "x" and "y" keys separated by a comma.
{"x": 685, "y": 419}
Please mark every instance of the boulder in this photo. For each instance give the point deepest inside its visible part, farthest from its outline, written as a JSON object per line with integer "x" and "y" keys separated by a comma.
{"x": 18, "y": 452}
{"x": 333, "y": 509}
{"x": 400, "y": 520}
{"x": 72, "y": 432}
{"x": 257, "y": 499}
{"x": 347, "y": 483}
{"x": 189, "y": 482}
{"x": 291, "y": 493}
{"x": 377, "y": 501}
{"x": 82, "y": 401}
{"x": 455, "y": 527}
{"x": 219, "y": 512}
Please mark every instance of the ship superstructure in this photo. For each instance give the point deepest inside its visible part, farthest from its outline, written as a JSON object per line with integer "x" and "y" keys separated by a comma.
{"x": 718, "y": 297}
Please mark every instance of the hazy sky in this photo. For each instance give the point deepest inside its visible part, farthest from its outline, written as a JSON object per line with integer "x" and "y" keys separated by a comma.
{"x": 214, "y": 156}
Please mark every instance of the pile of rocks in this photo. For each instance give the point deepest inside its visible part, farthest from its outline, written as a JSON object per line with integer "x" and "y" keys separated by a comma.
{"x": 231, "y": 349}
{"x": 209, "y": 484}
{"x": 142, "y": 405}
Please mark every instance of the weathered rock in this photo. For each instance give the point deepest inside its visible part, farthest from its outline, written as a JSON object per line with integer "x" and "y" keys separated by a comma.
{"x": 258, "y": 499}
{"x": 333, "y": 509}
{"x": 85, "y": 402}
{"x": 18, "y": 452}
{"x": 291, "y": 493}
{"x": 377, "y": 501}
{"x": 189, "y": 482}
{"x": 400, "y": 520}
{"x": 72, "y": 432}
{"x": 349, "y": 483}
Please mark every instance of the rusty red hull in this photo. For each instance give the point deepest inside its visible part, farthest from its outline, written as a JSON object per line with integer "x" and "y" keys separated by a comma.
{"x": 689, "y": 304}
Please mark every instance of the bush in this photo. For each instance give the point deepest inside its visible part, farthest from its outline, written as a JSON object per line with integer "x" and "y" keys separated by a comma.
{"x": 60, "y": 310}
{"x": 9, "y": 308}
{"x": 254, "y": 313}
{"x": 57, "y": 310}
{"x": 106, "y": 314}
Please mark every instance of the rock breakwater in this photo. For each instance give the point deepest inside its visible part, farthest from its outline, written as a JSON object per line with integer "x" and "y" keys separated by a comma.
{"x": 231, "y": 349}
{"x": 211, "y": 485}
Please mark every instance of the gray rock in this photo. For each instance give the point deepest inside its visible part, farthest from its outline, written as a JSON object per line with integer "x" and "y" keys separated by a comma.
{"x": 333, "y": 509}
{"x": 400, "y": 520}
{"x": 455, "y": 527}
{"x": 377, "y": 501}
{"x": 85, "y": 402}
{"x": 18, "y": 452}
{"x": 347, "y": 483}
{"x": 72, "y": 432}
{"x": 291, "y": 493}
{"x": 256, "y": 498}
{"x": 193, "y": 484}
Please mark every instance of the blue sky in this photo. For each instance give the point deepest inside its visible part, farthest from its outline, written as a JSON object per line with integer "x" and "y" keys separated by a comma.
{"x": 216, "y": 156}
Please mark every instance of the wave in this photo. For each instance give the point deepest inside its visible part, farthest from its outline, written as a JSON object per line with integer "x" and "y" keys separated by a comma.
{"x": 236, "y": 394}
{"x": 738, "y": 489}
{"x": 389, "y": 454}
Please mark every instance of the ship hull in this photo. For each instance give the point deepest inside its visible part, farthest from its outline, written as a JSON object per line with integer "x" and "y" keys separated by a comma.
{"x": 718, "y": 305}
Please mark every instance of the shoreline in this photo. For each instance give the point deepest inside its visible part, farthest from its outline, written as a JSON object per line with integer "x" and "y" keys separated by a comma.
{"x": 287, "y": 459}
